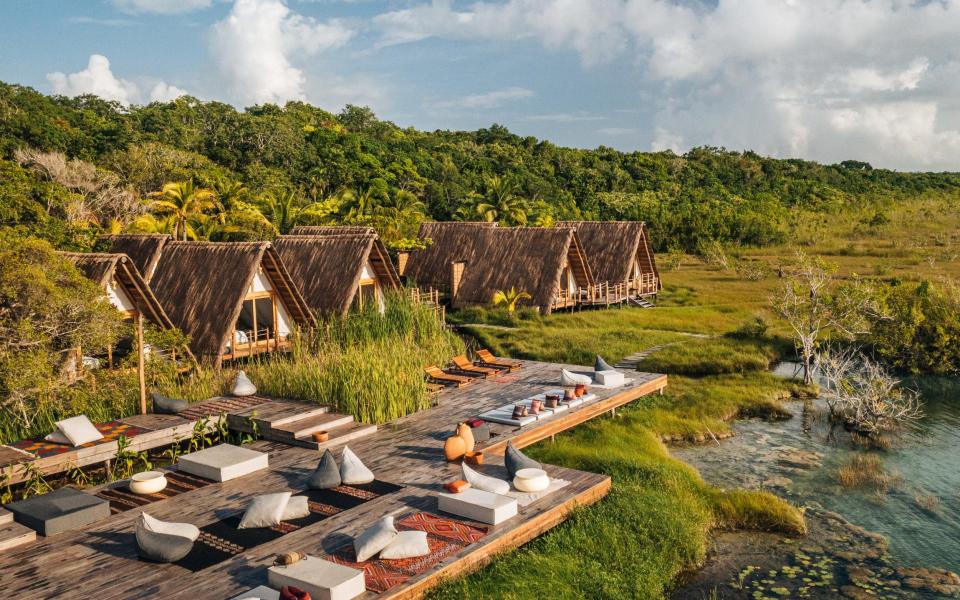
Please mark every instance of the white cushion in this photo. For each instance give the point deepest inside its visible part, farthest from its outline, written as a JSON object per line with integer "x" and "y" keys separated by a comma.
{"x": 484, "y": 482}
{"x": 57, "y": 437}
{"x": 352, "y": 470}
{"x": 570, "y": 379}
{"x": 322, "y": 579}
{"x": 610, "y": 378}
{"x": 184, "y": 530}
{"x": 407, "y": 544}
{"x": 478, "y": 505}
{"x": 265, "y": 511}
{"x": 223, "y": 462}
{"x": 374, "y": 539}
{"x": 297, "y": 508}
{"x": 242, "y": 386}
{"x": 259, "y": 593}
{"x": 79, "y": 430}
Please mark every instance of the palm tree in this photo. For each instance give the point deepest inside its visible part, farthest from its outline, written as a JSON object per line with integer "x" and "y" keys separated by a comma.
{"x": 185, "y": 203}
{"x": 151, "y": 224}
{"x": 229, "y": 192}
{"x": 510, "y": 298}
{"x": 502, "y": 203}
{"x": 281, "y": 209}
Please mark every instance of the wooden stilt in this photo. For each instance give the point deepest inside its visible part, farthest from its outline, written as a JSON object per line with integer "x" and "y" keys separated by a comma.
{"x": 140, "y": 365}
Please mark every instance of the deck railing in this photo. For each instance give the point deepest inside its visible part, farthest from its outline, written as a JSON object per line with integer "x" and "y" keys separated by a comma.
{"x": 258, "y": 342}
{"x": 607, "y": 293}
{"x": 430, "y": 298}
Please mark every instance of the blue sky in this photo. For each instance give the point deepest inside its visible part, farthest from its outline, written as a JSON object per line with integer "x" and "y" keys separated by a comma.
{"x": 822, "y": 79}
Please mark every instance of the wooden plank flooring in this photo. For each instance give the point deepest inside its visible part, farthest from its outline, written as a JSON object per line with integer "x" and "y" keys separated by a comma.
{"x": 100, "y": 561}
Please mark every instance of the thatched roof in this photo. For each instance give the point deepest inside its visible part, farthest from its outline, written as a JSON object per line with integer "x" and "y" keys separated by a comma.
{"x": 530, "y": 259}
{"x": 451, "y": 241}
{"x": 143, "y": 249}
{"x": 103, "y": 268}
{"x": 611, "y": 247}
{"x": 202, "y": 285}
{"x": 332, "y": 230}
{"x": 327, "y": 268}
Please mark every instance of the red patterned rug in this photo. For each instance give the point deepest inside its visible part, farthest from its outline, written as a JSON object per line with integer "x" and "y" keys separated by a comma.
{"x": 445, "y": 537}
{"x": 506, "y": 379}
{"x": 111, "y": 431}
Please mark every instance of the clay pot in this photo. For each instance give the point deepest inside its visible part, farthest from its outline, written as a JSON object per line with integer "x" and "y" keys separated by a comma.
{"x": 473, "y": 458}
{"x": 464, "y": 431}
{"x": 535, "y": 406}
{"x": 519, "y": 410}
{"x": 569, "y": 395}
{"x": 553, "y": 400}
{"x": 321, "y": 436}
{"x": 454, "y": 448}
{"x": 580, "y": 390}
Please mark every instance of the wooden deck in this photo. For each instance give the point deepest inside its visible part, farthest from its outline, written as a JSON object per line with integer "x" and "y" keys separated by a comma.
{"x": 101, "y": 561}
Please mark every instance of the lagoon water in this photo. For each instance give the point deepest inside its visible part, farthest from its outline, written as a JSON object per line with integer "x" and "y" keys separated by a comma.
{"x": 927, "y": 459}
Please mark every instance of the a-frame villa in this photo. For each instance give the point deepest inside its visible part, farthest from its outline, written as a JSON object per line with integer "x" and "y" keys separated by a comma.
{"x": 234, "y": 300}
{"x": 449, "y": 242}
{"x": 144, "y": 249}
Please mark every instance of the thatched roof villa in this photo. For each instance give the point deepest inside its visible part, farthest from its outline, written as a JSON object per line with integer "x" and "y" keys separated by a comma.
{"x": 337, "y": 272}
{"x": 332, "y": 230}
{"x": 233, "y": 299}
{"x": 451, "y": 241}
{"x": 144, "y": 249}
{"x": 125, "y": 287}
{"x": 619, "y": 252}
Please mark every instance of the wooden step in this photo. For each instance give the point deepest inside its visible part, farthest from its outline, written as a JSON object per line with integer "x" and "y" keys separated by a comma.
{"x": 339, "y": 436}
{"x": 14, "y": 534}
{"x": 302, "y": 428}
{"x": 282, "y": 412}
{"x": 5, "y": 516}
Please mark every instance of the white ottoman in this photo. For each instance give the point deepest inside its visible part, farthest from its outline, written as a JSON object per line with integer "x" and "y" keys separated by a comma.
{"x": 260, "y": 592}
{"x": 609, "y": 378}
{"x": 322, "y": 579}
{"x": 478, "y": 505}
{"x": 223, "y": 462}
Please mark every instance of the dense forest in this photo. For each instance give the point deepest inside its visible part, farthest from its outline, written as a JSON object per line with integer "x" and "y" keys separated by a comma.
{"x": 73, "y": 167}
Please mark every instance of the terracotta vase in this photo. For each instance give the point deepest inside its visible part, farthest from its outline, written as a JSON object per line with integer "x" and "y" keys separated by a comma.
{"x": 454, "y": 448}
{"x": 553, "y": 400}
{"x": 321, "y": 436}
{"x": 568, "y": 395}
{"x": 580, "y": 390}
{"x": 473, "y": 458}
{"x": 519, "y": 410}
{"x": 535, "y": 405}
{"x": 464, "y": 431}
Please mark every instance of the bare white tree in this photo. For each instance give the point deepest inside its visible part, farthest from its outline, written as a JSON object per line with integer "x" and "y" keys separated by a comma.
{"x": 862, "y": 394}
{"x": 813, "y": 302}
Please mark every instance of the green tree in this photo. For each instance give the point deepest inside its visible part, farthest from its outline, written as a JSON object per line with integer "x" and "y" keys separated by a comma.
{"x": 186, "y": 203}
{"x": 502, "y": 203}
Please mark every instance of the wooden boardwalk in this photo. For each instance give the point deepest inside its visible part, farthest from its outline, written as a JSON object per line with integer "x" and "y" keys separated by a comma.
{"x": 100, "y": 562}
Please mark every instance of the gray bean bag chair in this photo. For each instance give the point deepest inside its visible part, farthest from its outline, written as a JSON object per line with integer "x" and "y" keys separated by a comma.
{"x": 602, "y": 365}
{"x": 327, "y": 474}
{"x": 515, "y": 460}
{"x": 162, "y": 405}
{"x": 164, "y": 542}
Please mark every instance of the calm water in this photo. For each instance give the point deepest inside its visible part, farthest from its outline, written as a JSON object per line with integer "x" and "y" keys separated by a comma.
{"x": 927, "y": 459}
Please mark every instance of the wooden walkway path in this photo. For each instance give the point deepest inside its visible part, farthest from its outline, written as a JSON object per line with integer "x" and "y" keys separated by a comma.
{"x": 100, "y": 562}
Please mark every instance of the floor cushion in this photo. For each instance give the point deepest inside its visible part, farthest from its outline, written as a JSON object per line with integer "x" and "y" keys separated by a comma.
{"x": 242, "y": 386}
{"x": 164, "y": 542}
{"x": 297, "y": 508}
{"x": 64, "y": 509}
{"x": 327, "y": 474}
{"x": 377, "y": 537}
{"x": 57, "y": 437}
{"x": 223, "y": 462}
{"x": 514, "y": 460}
{"x": 407, "y": 544}
{"x": 320, "y": 578}
{"x": 79, "y": 430}
{"x": 484, "y": 482}
{"x": 260, "y": 592}
{"x": 265, "y": 511}
{"x": 601, "y": 365}
{"x": 352, "y": 470}
{"x": 569, "y": 379}
{"x": 162, "y": 405}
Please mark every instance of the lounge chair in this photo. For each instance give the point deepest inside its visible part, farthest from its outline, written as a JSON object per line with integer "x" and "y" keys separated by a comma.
{"x": 438, "y": 376}
{"x": 463, "y": 364}
{"x": 435, "y": 388}
{"x": 485, "y": 359}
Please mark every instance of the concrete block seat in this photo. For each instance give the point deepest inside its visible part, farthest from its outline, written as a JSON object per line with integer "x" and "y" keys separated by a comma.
{"x": 223, "y": 462}
{"x": 478, "y": 505}
{"x": 322, "y": 579}
{"x": 261, "y": 592}
{"x": 609, "y": 380}
{"x": 65, "y": 509}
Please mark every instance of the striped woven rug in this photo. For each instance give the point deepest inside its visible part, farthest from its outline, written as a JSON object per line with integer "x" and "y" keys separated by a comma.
{"x": 122, "y": 499}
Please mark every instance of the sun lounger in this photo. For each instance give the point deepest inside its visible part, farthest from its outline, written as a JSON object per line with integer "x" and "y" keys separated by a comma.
{"x": 435, "y": 374}
{"x": 463, "y": 364}
{"x": 485, "y": 359}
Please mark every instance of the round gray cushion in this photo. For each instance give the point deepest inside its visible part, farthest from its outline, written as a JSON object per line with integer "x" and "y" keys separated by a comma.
{"x": 162, "y": 405}
{"x": 162, "y": 547}
{"x": 515, "y": 460}
{"x": 327, "y": 475}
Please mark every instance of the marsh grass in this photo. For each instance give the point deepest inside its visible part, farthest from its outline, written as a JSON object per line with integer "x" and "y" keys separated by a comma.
{"x": 710, "y": 356}
{"x": 866, "y": 471}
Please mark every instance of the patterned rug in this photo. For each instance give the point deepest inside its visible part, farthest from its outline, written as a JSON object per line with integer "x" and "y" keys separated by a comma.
{"x": 222, "y": 540}
{"x": 506, "y": 379}
{"x": 122, "y": 499}
{"x": 223, "y": 404}
{"x": 111, "y": 431}
{"x": 445, "y": 537}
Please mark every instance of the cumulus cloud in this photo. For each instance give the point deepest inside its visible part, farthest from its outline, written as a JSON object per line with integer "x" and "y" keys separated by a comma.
{"x": 256, "y": 44}
{"x": 492, "y": 99}
{"x": 98, "y": 79}
{"x": 160, "y": 7}
{"x": 823, "y": 79}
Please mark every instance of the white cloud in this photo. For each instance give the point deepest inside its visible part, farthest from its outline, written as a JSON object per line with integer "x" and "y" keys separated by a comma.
{"x": 255, "y": 47}
{"x": 564, "y": 117}
{"x": 161, "y": 7}
{"x": 493, "y": 99}
{"x": 824, "y": 79}
{"x": 98, "y": 79}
